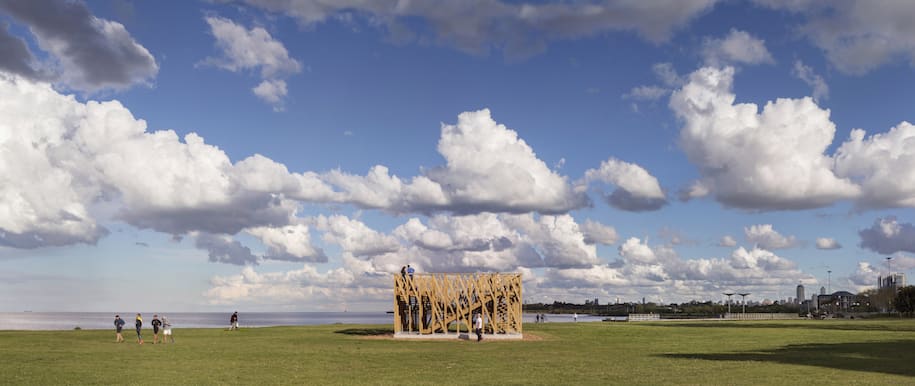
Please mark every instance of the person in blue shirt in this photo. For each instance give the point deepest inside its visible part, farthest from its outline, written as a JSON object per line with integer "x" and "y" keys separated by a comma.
{"x": 410, "y": 271}
{"x": 118, "y": 326}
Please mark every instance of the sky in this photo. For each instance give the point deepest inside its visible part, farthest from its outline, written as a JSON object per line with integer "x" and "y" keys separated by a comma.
{"x": 283, "y": 155}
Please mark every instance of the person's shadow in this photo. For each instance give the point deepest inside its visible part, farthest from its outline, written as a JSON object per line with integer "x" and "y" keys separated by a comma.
{"x": 366, "y": 331}
{"x": 889, "y": 357}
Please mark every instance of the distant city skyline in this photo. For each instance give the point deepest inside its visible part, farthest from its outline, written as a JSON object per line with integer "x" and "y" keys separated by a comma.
{"x": 293, "y": 156}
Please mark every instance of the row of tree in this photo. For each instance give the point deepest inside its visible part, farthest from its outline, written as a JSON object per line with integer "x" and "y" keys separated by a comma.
{"x": 873, "y": 300}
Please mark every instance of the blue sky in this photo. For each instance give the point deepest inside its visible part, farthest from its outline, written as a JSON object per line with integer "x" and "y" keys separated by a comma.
{"x": 293, "y": 155}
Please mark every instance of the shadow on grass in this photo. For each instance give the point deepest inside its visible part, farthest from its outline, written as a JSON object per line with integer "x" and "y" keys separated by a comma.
{"x": 888, "y": 357}
{"x": 366, "y": 331}
{"x": 813, "y": 325}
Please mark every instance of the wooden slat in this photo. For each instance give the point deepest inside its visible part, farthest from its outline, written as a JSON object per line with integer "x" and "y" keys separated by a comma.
{"x": 453, "y": 298}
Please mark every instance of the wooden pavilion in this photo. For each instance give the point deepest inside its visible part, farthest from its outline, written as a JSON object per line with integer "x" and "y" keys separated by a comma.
{"x": 445, "y": 303}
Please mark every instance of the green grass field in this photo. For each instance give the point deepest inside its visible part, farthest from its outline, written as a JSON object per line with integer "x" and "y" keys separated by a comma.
{"x": 700, "y": 353}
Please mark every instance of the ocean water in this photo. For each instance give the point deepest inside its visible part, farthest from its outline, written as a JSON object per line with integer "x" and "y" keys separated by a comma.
{"x": 105, "y": 320}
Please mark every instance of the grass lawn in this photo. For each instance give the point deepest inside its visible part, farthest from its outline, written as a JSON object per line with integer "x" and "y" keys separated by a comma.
{"x": 880, "y": 352}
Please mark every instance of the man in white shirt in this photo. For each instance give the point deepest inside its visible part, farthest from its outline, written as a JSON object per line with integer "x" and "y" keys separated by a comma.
{"x": 478, "y": 326}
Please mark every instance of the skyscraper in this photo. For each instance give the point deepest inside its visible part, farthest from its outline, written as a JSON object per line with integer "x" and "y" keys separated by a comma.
{"x": 800, "y": 294}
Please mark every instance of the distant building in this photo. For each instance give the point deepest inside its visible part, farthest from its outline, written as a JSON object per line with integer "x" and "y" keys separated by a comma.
{"x": 894, "y": 281}
{"x": 822, "y": 290}
{"x": 800, "y": 294}
{"x": 837, "y": 302}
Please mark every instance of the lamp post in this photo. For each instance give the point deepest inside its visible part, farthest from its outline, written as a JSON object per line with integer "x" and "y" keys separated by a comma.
{"x": 729, "y": 294}
{"x": 744, "y": 296}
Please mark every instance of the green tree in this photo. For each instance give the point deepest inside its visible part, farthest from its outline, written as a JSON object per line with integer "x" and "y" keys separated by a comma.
{"x": 905, "y": 300}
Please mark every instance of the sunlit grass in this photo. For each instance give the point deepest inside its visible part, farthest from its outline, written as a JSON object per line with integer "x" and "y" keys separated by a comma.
{"x": 771, "y": 352}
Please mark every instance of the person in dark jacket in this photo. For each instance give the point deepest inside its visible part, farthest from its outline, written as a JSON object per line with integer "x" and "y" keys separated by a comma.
{"x": 233, "y": 321}
{"x": 156, "y": 323}
{"x": 118, "y": 326}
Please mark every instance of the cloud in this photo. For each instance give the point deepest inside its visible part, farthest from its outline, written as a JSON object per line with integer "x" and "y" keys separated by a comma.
{"x": 94, "y": 153}
{"x": 558, "y": 239}
{"x": 814, "y": 80}
{"x": 354, "y": 236}
{"x": 489, "y": 168}
{"x": 766, "y": 237}
{"x": 98, "y": 153}
{"x": 738, "y": 47}
{"x": 901, "y": 263}
{"x": 253, "y": 49}
{"x": 90, "y": 53}
{"x": 661, "y": 266}
{"x": 668, "y": 76}
{"x": 695, "y": 190}
{"x": 856, "y": 36}
{"x": 289, "y": 243}
{"x": 505, "y": 241}
{"x": 769, "y": 160}
{"x": 16, "y": 59}
{"x": 355, "y": 283}
{"x": 827, "y": 243}
{"x": 865, "y": 276}
{"x": 597, "y": 233}
{"x": 223, "y": 249}
{"x": 272, "y": 91}
{"x": 596, "y": 276}
{"x": 637, "y": 190}
{"x": 727, "y": 241}
{"x": 887, "y": 236}
{"x": 647, "y": 93}
{"x": 518, "y": 29}
{"x": 881, "y": 165}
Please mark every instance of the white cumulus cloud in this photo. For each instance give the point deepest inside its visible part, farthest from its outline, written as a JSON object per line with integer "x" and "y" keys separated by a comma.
{"x": 637, "y": 190}
{"x": 882, "y": 165}
{"x": 766, "y": 237}
{"x": 771, "y": 159}
{"x": 244, "y": 49}
{"x": 291, "y": 243}
{"x": 727, "y": 241}
{"x": 354, "y": 236}
{"x": 87, "y": 154}
{"x": 597, "y": 233}
{"x": 90, "y": 53}
{"x": 827, "y": 243}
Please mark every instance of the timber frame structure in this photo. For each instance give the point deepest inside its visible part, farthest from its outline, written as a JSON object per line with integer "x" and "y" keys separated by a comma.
{"x": 442, "y": 303}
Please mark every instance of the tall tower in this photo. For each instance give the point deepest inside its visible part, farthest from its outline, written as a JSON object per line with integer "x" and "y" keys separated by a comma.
{"x": 800, "y": 294}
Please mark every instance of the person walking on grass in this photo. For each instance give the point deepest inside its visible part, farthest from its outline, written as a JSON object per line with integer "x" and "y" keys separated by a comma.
{"x": 478, "y": 327}
{"x": 118, "y": 326}
{"x": 156, "y": 323}
{"x": 139, "y": 325}
{"x": 167, "y": 330}
{"x": 233, "y": 321}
